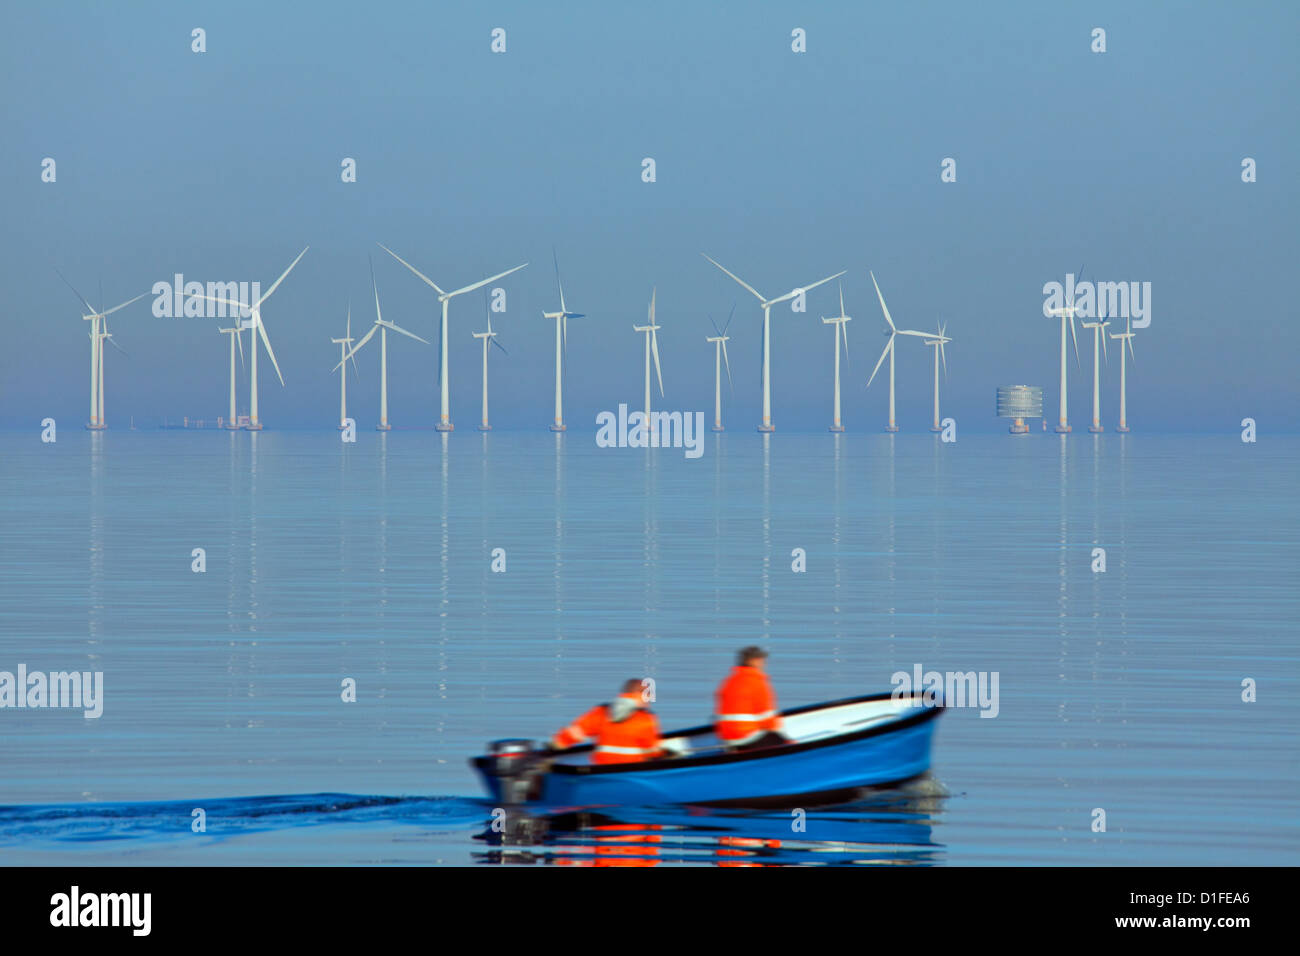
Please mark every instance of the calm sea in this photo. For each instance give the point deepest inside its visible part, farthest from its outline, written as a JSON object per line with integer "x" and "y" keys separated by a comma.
{"x": 1119, "y": 691}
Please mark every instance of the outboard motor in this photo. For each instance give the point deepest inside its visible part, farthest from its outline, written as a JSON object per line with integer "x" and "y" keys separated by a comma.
{"x": 518, "y": 768}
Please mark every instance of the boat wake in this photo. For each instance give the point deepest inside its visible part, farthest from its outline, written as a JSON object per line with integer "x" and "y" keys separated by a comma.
{"x": 884, "y": 827}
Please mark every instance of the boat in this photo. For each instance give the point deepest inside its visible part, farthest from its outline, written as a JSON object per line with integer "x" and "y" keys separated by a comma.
{"x": 836, "y": 750}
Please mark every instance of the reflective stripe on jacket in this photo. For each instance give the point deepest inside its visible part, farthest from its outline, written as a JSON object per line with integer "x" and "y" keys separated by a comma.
{"x": 632, "y": 739}
{"x": 746, "y": 706}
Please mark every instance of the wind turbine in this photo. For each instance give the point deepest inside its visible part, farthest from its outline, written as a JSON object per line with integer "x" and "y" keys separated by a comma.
{"x": 490, "y": 336}
{"x": 255, "y": 323}
{"x": 894, "y": 332}
{"x": 938, "y": 340}
{"x": 1098, "y": 336}
{"x": 95, "y": 318}
{"x": 1066, "y": 313}
{"x": 236, "y": 338}
{"x": 444, "y": 418}
{"x": 343, "y": 344}
{"x": 719, "y": 357}
{"x": 1126, "y": 336}
{"x": 841, "y": 330}
{"x": 651, "y": 348}
{"x": 381, "y": 326}
{"x": 561, "y": 347}
{"x": 766, "y": 305}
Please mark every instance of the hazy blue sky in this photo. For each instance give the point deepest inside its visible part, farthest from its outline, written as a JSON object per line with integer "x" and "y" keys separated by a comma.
{"x": 783, "y": 166}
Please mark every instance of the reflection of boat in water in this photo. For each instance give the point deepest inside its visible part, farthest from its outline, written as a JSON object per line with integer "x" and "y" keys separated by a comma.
{"x": 836, "y": 749}
{"x": 885, "y": 827}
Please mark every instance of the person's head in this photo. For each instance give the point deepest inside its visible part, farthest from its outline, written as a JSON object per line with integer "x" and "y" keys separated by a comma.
{"x": 751, "y": 656}
{"x": 632, "y": 686}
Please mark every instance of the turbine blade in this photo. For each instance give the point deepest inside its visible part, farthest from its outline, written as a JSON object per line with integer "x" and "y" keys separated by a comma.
{"x": 1075, "y": 336}
{"x": 480, "y": 284}
{"x": 1133, "y": 354}
{"x": 125, "y": 304}
{"x": 884, "y": 308}
{"x": 943, "y": 357}
{"x": 357, "y": 348}
{"x": 736, "y": 277}
{"x": 276, "y": 284}
{"x": 714, "y": 324}
{"x": 804, "y": 288}
{"x": 433, "y": 284}
{"x": 494, "y": 341}
{"x": 374, "y": 285}
{"x": 880, "y": 361}
{"x": 558, "y": 283}
{"x": 398, "y": 328}
{"x": 654, "y": 350}
{"x": 239, "y": 341}
{"x": 109, "y": 340}
{"x": 841, "y": 285}
{"x": 1105, "y": 355}
{"x": 261, "y": 328}
{"x": 727, "y": 362}
{"x": 844, "y": 329}
{"x": 90, "y": 309}
{"x": 730, "y": 315}
{"x": 564, "y": 334}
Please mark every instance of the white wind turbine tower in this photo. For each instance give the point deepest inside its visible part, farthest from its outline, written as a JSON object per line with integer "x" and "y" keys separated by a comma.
{"x": 719, "y": 357}
{"x": 841, "y": 330}
{"x": 651, "y": 348}
{"x": 236, "y": 338}
{"x": 894, "y": 332}
{"x": 766, "y": 305}
{"x": 1125, "y": 336}
{"x": 255, "y": 323}
{"x": 488, "y": 336}
{"x": 1098, "y": 337}
{"x": 96, "y": 318}
{"x": 561, "y": 346}
{"x": 444, "y": 418}
{"x": 1066, "y": 313}
{"x": 343, "y": 344}
{"x": 381, "y": 326}
{"x": 938, "y": 341}
{"x": 104, "y": 336}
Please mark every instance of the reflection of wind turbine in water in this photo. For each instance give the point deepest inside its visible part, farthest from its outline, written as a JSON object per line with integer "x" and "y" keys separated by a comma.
{"x": 893, "y": 333}
{"x": 561, "y": 346}
{"x": 766, "y": 306}
{"x": 236, "y": 338}
{"x": 651, "y": 348}
{"x": 488, "y": 336}
{"x": 343, "y": 344}
{"x": 719, "y": 357}
{"x": 1066, "y": 313}
{"x": 444, "y": 417}
{"x": 938, "y": 340}
{"x": 255, "y": 310}
{"x": 1125, "y": 336}
{"x": 382, "y": 327}
{"x": 98, "y": 320}
{"x": 1098, "y": 338}
{"x": 841, "y": 331}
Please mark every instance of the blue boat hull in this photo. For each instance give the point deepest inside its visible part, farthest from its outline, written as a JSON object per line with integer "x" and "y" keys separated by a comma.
{"x": 884, "y": 755}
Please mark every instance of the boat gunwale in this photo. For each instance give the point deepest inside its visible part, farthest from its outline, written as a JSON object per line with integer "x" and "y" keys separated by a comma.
{"x": 927, "y": 712}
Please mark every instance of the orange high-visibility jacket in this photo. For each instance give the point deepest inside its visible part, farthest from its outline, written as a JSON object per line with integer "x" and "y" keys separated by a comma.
{"x": 630, "y": 740}
{"x": 746, "y": 706}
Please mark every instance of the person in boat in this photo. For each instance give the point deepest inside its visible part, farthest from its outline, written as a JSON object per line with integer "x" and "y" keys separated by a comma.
{"x": 624, "y": 730}
{"x": 747, "y": 717}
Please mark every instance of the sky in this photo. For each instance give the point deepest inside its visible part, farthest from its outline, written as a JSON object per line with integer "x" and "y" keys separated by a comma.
{"x": 784, "y": 166}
